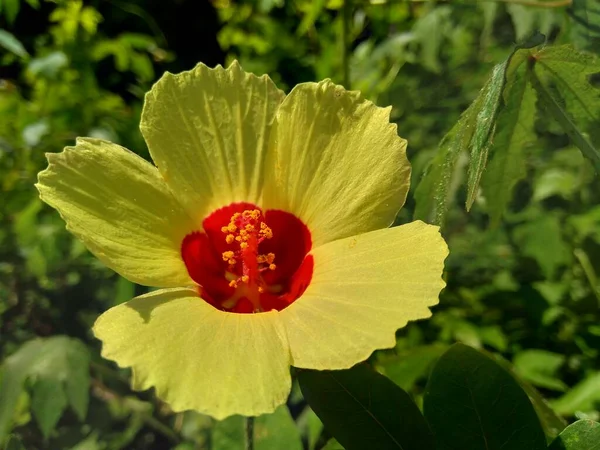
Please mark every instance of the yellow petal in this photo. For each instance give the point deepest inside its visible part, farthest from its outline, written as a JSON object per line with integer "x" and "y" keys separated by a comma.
{"x": 208, "y": 131}
{"x": 198, "y": 357}
{"x": 119, "y": 206}
{"x": 336, "y": 162}
{"x": 363, "y": 289}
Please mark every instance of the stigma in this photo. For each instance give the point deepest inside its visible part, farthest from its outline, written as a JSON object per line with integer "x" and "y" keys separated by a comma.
{"x": 248, "y": 230}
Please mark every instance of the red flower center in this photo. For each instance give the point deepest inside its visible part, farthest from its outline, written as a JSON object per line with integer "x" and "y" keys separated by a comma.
{"x": 248, "y": 261}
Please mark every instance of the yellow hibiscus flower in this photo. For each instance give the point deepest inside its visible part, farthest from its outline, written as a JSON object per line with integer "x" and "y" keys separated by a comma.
{"x": 265, "y": 221}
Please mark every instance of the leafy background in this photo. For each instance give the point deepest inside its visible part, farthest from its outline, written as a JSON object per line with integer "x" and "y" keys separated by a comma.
{"x": 523, "y": 270}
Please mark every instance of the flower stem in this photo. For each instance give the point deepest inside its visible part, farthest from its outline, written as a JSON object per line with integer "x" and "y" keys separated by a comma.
{"x": 249, "y": 433}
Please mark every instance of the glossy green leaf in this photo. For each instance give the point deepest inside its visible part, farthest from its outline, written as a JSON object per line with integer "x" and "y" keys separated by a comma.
{"x": 581, "y": 435}
{"x": 471, "y": 402}
{"x": 363, "y": 409}
{"x": 551, "y": 422}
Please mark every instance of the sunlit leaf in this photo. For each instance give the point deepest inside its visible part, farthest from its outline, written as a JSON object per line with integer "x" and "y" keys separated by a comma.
{"x": 514, "y": 133}
{"x": 581, "y": 435}
{"x": 569, "y": 70}
{"x": 584, "y": 397}
{"x": 474, "y": 132}
{"x": 539, "y": 367}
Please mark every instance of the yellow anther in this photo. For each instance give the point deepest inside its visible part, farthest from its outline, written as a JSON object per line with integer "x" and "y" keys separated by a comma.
{"x": 230, "y": 238}
{"x": 233, "y": 283}
{"x": 265, "y": 231}
{"x": 249, "y": 228}
{"x": 243, "y": 233}
{"x": 272, "y": 267}
{"x": 243, "y": 245}
{"x": 225, "y": 229}
{"x": 232, "y": 262}
{"x": 245, "y": 278}
{"x": 270, "y": 258}
{"x": 227, "y": 255}
{"x": 260, "y": 289}
{"x": 231, "y": 227}
{"x": 238, "y": 238}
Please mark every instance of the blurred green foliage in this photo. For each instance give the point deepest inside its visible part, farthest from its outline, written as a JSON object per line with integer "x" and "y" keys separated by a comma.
{"x": 523, "y": 272}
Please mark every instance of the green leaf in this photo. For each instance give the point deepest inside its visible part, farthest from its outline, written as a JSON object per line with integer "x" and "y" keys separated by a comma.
{"x": 585, "y": 18}
{"x": 550, "y": 421}
{"x": 277, "y": 430}
{"x": 485, "y": 125}
{"x": 569, "y": 70}
{"x": 430, "y": 30}
{"x": 14, "y": 443}
{"x": 541, "y": 239}
{"x": 471, "y": 402}
{"x": 332, "y": 444}
{"x": 271, "y": 431}
{"x": 438, "y": 186}
{"x": 12, "y": 44}
{"x": 229, "y": 434}
{"x": 409, "y": 366}
{"x": 11, "y": 9}
{"x": 473, "y": 132}
{"x": 48, "y": 404}
{"x": 515, "y": 132}
{"x": 49, "y": 65}
{"x": 584, "y": 397}
{"x": 363, "y": 409}
{"x": 539, "y": 367}
{"x": 14, "y": 372}
{"x": 311, "y": 425}
{"x": 58, "y": 368}
{"x": 316, "y": 7}
{"x": 581, "y": 435}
